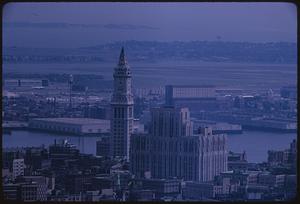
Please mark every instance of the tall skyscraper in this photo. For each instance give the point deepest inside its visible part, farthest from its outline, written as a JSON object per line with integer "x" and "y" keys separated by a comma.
{"x": 121, "y": 109}
{"x": 172, "y": 150}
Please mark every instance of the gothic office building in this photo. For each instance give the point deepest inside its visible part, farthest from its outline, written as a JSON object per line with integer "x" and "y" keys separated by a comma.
{"x": 121, "y": 110}
{"x": 172, "y": 150}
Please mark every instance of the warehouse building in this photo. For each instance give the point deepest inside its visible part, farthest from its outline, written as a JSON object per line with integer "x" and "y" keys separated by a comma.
{"x": 196, "y": 98}
{"x": 78, "y": 126}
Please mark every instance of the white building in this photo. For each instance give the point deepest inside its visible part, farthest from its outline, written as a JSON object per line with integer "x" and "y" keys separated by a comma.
{"x": 171, "y": 150}
{"x": 189, "y": 92}
{"x": 80, "y": 126}
{"x": 204, "y": 91}
{"x": 18, "y": 168}
{"x": 194, "y": 97}
{"x": 121, "y": 110}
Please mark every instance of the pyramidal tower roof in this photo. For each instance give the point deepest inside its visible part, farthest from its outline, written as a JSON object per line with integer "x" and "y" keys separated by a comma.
{"x": 122, "y": 59}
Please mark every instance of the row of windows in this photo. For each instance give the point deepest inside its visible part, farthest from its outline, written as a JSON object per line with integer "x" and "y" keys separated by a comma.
{"x": 165, "y": 125}
{"x": 121, "y": 130}
{"x": 183, "y": 166}
{"x": 172, "y": 146}
{"x": 175, "y": 146}
{"x": 121, "y": 112}
{"x": 58, "y": 128}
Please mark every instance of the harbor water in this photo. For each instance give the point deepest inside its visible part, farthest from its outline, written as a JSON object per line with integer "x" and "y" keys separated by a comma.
{"x": 255, "y": 143}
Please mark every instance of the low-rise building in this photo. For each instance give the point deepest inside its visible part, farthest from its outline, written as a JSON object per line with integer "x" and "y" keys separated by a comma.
{"x": 25, "y": 191}
{"x": 41, "y": 183}
{"x": 77, "y": 183}
{"x": 290, "y": 187}
{"x": 237, "y": 161}
{"x": 199, "y": 191}
{"x": 102, "y": 182}
{"x": 78, "y": 126}
{"x": 196, "y": 98}
{"x": 256, "y": 192}
{"x": 11, "y": 191}
{"x": 103, "y": 147}
{"x": 142, "y": 195}
{"x": 270, "y": 180}
{"x": 161, "y": 187}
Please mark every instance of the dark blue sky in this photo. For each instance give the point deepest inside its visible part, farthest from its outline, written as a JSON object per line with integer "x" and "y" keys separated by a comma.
{"x": 253, "y": 22}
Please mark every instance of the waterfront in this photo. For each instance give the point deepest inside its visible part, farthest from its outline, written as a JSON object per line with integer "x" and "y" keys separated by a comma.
{"x": 239, "y": 75}
{"x": 255, "y": 143}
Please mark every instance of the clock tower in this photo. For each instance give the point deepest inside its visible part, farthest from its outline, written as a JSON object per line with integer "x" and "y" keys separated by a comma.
{"x": 121, "y": 110}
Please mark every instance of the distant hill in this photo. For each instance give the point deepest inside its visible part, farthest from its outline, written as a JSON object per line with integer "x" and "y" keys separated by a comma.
{"x": 153, "y": 51}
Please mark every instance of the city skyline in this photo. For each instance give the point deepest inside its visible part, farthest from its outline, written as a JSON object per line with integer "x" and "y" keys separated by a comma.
{"x": 168, "y": 108}
{"x": 160, "y": 158}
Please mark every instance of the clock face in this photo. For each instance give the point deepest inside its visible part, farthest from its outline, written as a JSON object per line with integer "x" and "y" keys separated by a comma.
{"x": 123, "y": 85}
{"x": 119, "y": 85}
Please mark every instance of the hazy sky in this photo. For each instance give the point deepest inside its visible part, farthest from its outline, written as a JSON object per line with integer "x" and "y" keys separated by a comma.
{"x": 254, "y": 22}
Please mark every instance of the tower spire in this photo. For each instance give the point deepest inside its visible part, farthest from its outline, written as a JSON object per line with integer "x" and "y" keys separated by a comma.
{"x": 122, "y": 59}
{"x": 122, "y": 109}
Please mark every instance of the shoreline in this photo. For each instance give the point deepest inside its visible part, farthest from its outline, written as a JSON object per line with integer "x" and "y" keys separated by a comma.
{"x": 255, "y": 143}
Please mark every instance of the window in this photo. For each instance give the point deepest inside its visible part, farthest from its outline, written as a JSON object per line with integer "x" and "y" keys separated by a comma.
{"x": 130, "y": 112}
{"x": 122, "y": 112}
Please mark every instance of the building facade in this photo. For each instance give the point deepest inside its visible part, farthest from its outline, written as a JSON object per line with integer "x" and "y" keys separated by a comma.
{"x": 121, "y": 110}
{"x": 78, "y": 126}
{"x": 196, "y": 98}
{"x": 161, "y": 187}
{"x": 41, "y": 182}
{"x": 199, "y": 191}
{"x": 171, "y": 150}
{"x": 18, "y": 168}
{"x": 102, "y": 147}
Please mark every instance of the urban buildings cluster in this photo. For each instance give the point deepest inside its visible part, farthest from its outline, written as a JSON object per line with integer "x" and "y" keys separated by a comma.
{"x": 170, "y": 153}
{"x": 61, "y": 173}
